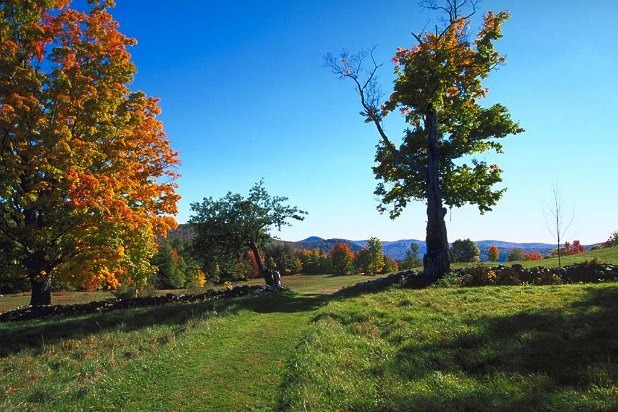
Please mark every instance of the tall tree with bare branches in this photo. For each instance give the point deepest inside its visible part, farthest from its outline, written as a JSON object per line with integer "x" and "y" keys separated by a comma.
{"x": 437, "y": 89}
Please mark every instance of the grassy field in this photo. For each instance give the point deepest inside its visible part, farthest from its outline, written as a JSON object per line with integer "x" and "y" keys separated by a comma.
{"x": 491, "y": 348}
{"x": 208, "y": 356}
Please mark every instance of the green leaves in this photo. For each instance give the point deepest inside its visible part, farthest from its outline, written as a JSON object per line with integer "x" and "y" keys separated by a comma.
{"x": 226, "y": 228}
{"x": 444, "y": 72}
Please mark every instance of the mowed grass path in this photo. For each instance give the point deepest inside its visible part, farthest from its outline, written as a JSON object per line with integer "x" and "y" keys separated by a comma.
{"x": 222, "y": 356}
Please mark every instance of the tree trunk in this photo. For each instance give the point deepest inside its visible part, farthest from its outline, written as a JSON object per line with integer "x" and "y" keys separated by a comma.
{"x": 436, "y": 261}
{"x": 268, "y": 277}
{"x": 39, "y": 268}
{"x": 40, "y": 291}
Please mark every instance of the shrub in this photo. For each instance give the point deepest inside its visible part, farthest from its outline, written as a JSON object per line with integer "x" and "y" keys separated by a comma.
{"x": 532, "y": 256}
{"x": 479, "y": 276}
{"x": 449, "y": 280}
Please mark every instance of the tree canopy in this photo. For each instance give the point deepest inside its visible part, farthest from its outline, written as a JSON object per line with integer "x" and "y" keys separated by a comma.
{"x": 438, "y": 88}
{"x": 226, "y": 228}
{"x": 86, "y": 170}
{"x": 465, "y": 250}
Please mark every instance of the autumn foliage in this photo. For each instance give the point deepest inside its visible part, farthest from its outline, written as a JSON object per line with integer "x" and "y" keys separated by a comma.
{"x": 574, "y": 248}
{"x": 86, "y": 170}
{"x": 533, "y": 256}
{"x": 493, "y": 253}
{"x": 342, "y": 258}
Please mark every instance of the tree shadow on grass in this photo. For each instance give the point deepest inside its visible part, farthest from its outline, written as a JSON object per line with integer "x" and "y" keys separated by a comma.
{"x": 545, "y": 353}
{"x": 36, "y": 334}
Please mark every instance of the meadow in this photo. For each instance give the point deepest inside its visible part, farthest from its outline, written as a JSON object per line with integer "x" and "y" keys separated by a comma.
{"x": 316, "y": 348}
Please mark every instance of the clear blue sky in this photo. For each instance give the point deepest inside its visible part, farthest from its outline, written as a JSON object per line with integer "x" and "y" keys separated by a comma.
{"x": 245, "y": 96}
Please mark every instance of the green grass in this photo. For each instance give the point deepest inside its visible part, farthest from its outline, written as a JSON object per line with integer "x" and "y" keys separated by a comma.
{"x": 208, "y": 356}
{"x": 513, "y": 348}
{"x": 492, "y": 348}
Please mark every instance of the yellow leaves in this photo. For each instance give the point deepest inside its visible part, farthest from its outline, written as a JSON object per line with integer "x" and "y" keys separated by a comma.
{"x": 94, "y": 155}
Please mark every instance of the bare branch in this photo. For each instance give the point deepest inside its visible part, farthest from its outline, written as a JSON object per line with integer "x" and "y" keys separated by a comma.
{"x": 453, "y": 9}
{"x": 351, "y": 67}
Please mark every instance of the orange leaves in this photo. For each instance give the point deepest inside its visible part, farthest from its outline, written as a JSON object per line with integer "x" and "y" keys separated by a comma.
{"x": 83, "y": 154}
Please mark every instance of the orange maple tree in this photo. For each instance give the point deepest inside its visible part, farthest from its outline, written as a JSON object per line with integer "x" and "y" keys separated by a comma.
{"x": 87, "y": 175}
{"x": 493, "y": 253}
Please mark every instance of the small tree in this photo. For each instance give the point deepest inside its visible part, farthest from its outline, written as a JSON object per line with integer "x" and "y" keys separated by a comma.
{"x": 412, "y": 259}
{"x": 171, "y": 267}
{"x": 390, "y": 265}
{"x": 557, "y": 220}
{"x": 315, "y": 261}
{"x": 465, "y": 251}
{"x": 362, "y": 259}
{"x": 225, "y": 228}
{"x": 282, "y": 256}
{"x": 493, "y": 254}
{"x": 574, "y": 248}
{"x": 376, "y": 255}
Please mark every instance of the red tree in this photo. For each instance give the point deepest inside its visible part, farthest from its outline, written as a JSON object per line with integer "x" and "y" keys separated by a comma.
{"x": 342, "y": 258}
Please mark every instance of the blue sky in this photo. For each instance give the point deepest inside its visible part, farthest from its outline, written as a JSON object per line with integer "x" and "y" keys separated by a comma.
{"x": 245, "y": 96}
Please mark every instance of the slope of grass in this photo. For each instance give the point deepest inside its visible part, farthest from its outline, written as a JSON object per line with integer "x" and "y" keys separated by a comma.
{"x": 492, "y": 348}
{"x": 607, "y": 255}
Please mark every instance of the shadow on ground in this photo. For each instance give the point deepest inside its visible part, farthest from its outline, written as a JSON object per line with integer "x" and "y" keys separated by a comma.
{"x": 570, "y": 349}
{"x": 36, "y": 334}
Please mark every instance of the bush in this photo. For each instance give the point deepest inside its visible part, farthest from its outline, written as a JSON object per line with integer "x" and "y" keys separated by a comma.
{"x": 479, "y": 276}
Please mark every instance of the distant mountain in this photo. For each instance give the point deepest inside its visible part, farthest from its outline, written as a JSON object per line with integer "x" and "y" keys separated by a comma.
{"x": 315, "y": 242}
{"x": 397, "y": 249}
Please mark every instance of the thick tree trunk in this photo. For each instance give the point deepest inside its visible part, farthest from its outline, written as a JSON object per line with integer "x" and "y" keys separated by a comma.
{"x": 39, "y": 268}
{"x": 40, "y": 291}
{"x": 436, "y": 261}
